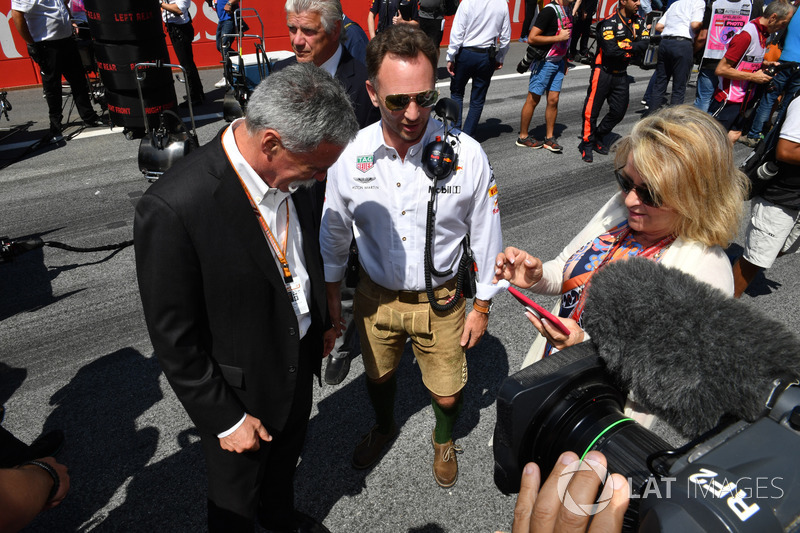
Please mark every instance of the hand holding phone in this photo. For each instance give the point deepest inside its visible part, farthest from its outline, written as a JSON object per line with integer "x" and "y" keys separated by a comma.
{"x": 539, "y": 311}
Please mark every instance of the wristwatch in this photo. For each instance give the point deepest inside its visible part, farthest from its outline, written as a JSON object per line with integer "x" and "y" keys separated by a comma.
{"x": 485, "y": 309}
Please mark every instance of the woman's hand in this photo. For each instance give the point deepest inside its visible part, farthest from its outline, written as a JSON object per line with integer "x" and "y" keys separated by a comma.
{"x": 517, "y": 266}
{"x": 556, "y": 338}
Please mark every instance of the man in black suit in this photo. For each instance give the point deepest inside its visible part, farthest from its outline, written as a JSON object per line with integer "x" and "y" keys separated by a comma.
{"x": 315, "y": 30}
{"x": 231, "y": 283}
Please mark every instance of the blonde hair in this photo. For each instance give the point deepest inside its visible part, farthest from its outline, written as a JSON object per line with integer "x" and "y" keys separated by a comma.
{"x": 685, "y": 158}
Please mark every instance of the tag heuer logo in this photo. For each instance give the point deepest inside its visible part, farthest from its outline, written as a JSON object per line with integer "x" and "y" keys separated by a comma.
{"x": 364, "y": 163}
{"x": 365, "y": 179}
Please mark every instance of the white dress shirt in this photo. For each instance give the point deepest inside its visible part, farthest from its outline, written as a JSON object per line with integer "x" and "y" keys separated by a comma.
{"x": 384, "y": 199}
{"x": 478, "y": 23}
{"x": 272, "y": 204}
{"x": 171, "y": 18}
{"x": 678, "y": 18}
{"x": 332, "y": 63}
{"x": 48, "y": 20}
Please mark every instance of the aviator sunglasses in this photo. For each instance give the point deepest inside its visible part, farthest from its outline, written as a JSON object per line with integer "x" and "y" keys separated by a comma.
{"x": 396, "y": 102}
{"x": 644, "y": 194}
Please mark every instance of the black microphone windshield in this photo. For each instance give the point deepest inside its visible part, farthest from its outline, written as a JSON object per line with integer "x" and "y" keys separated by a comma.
{"x": 688, "y": 353}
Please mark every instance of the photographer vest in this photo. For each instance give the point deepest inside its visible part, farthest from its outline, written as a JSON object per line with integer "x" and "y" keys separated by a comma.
{"x": 736, "y": 90}
{"x": 728, "y": 17}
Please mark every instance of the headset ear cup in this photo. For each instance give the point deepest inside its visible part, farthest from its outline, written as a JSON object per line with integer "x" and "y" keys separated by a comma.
{"x": 438, "y": 159}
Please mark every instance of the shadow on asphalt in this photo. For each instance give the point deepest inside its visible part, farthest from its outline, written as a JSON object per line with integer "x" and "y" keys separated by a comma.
{"x": 108, "y": 451}
{"x": 345, "y": 415}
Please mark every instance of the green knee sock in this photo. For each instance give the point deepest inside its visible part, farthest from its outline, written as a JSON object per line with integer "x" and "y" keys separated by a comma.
{"x": 445, "y": 420}
{"x": 382, "y": 397}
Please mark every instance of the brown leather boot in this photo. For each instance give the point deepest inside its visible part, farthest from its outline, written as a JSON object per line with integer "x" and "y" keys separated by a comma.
{"x": 445, "y": 464}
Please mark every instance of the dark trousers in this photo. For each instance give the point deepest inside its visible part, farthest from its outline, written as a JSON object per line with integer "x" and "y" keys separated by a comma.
{"x": 476, "y": 65}
{"x": 433, "y": 29}
{"x": 581, "y": 30}
{"x": 260, "y": 485}
{"x": 531, "y": 6}
{"x": 604, "y": 86}
{"x": 181, "y": 36}
{"x": 675, "y": 62}
{"x": 61, "y": 58}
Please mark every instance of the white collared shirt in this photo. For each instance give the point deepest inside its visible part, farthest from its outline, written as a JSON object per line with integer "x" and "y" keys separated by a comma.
{"x": 171, "y": 18}
{"x": 271, "y": 204}
{"x": 48, "y": 20}
{"x": 332, "y": 63}
{"x": 678, "y": 18}
{"x": 384, "y": 199}
{"x": 478, "y": 23}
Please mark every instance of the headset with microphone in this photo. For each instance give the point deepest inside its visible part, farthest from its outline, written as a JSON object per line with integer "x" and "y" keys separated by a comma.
{"x": 439, "y": 160}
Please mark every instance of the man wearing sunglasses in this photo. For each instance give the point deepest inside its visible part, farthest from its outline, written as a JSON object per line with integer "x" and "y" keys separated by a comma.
{"x": 378, "y": 190}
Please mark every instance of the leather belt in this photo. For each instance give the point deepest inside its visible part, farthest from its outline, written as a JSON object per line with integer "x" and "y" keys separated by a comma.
{"x": 411, "y": 297}
{"x": 675, "y": 38}
{"x": 477, "y": 49}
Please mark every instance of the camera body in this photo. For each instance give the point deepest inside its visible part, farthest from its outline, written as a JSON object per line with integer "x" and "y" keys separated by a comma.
{"x": 744, "y": 478}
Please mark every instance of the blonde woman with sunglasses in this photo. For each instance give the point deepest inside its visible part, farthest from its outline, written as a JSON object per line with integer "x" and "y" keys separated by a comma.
{"x": 680, "y": 203}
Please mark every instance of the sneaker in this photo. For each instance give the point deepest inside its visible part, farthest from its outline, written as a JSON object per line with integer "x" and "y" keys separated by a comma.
{"x": 750, "y": 142}
{"x": 445, "y": 464}
{"x": 529, "y": 142}
{"x": 371, "y": 447}
{"x": 53, "y": 138}
{"x": 221, "y": 83}
{"x": 586, "y": 153}
{"x": 552, "y": 145}
{"x": 95, "y": 122}
{"x": 600, "y": 148}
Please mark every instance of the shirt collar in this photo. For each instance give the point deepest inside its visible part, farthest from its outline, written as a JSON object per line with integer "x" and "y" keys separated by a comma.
{"x": 761, "y": 29}
{"x": 332, "y": 64}
{"x": 432, "y": 129}
{"x": 258, "y": 188}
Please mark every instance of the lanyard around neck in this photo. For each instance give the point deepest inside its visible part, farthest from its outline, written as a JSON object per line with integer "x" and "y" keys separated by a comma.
{"x": 280, "y": 251}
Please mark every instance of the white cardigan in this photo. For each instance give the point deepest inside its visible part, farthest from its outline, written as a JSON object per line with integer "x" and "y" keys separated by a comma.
{"x": 706, "y": 263}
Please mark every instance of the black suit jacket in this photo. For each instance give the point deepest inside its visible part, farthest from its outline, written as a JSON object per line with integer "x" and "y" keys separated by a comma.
{"x": 216, "y": 308}
{"x": 353, "y": 75}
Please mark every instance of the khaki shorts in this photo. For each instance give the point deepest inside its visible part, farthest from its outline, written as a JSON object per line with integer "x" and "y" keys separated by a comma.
{"x": 386, "y": 319}
{"x": 772, "y": 229}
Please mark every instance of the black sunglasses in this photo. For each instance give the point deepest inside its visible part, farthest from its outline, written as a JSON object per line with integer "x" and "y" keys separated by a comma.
{"x": 644, "y": 194}
{"x": 396, "y": 102}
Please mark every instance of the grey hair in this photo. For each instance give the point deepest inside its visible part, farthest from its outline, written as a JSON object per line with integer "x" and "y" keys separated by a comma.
{"x": 330, "y": 12}
{"x": 305, "y": 105}
{"x": 781, "y": 8}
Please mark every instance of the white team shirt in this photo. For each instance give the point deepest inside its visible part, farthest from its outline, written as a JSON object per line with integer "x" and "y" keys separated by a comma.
{"x": 384, "y": 199}
{"x": 791, "y": 124}
{"x": 171, "y": 18}
{"x": 48, "y": 20}
{"x": 477, "y": 23}
{"x": 678, "y": 18}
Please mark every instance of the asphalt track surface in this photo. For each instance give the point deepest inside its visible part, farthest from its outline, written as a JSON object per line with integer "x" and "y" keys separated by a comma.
{"x": 75, "y": 355}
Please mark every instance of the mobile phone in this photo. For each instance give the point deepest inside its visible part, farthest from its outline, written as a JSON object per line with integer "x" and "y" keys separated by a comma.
{"x": 538, "y": 310}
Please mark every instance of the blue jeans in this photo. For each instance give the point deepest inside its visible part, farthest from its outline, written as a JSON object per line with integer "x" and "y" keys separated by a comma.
{"x": 768, "y": 99}
{"x": 478, "y": 66}
{"x": 224, "y": 43}
{"x": 706, "y": 82}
